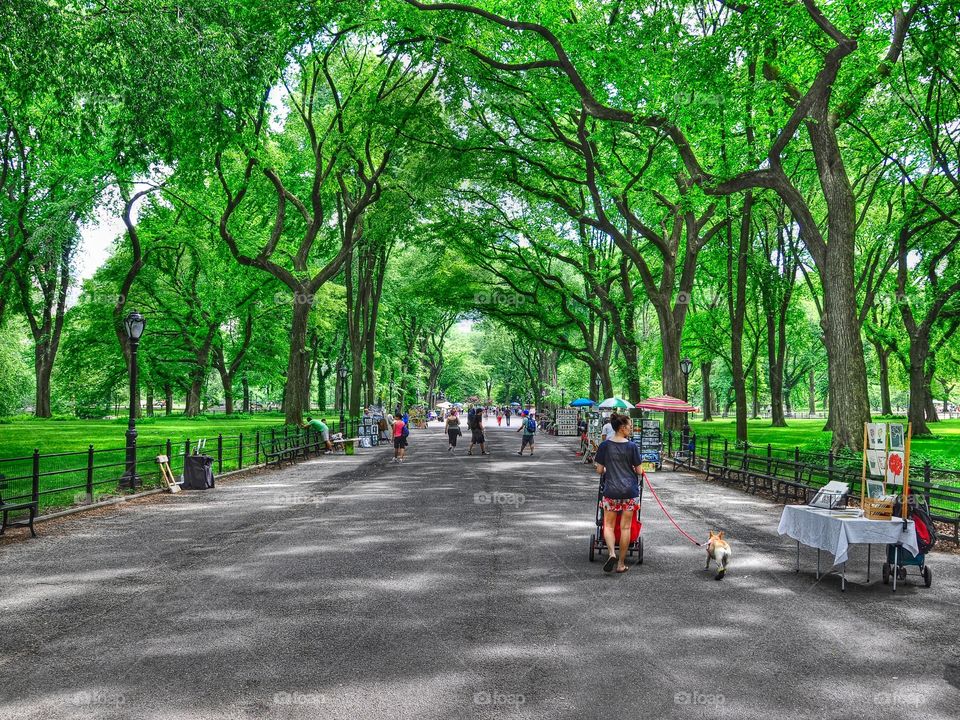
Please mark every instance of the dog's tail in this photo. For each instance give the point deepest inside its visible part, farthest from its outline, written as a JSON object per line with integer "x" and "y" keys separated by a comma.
{"x": 722, "y": 567}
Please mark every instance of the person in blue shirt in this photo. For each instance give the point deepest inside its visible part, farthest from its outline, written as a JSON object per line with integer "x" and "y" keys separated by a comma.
{"x": 618, "y": 461}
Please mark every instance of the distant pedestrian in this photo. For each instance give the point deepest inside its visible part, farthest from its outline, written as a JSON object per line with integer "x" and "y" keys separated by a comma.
{"x": 452, "y": 426}
{"x": 499, "y": 417}
{"x": 508, "y": 412}
{"x": 321, "y": 427}
{"x": 476, "y": 435}
{"x": 528, "y": 427}
{"x": 400, "y": 434}
{"x": 608, "y": 431}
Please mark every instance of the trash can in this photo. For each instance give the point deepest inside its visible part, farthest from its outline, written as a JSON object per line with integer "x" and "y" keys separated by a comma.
{"x": 198, "y": 472}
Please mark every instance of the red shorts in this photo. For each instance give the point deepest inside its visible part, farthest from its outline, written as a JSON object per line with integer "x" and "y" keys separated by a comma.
{"x": 620, "y": 504}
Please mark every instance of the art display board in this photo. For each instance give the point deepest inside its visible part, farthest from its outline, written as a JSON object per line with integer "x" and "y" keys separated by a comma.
{"x": 567, "y": 422}
{"x": 649, "y": 438}
{"x": 886, "y": 460}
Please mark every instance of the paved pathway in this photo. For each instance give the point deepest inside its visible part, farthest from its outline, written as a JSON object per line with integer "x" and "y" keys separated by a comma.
{"x": 453, "y": 587}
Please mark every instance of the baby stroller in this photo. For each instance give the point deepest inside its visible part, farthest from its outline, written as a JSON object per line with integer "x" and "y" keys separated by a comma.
{"x": 597, "y": 543}
{"x": 899, "y": 559}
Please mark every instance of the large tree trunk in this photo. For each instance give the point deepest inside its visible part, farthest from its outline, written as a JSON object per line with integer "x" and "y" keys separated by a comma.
{"x": 775, "y": 375}
{"x": 246, "y": 393}
{"x": 919, "y": 390}
{"x": 737, "y": 305}
{"x": 149, "y": 400}
{"x": 705, "y": 381}
{"x": 168, "y": 398}
{"x": 812, "y": 393}
{"x": 673, "y": 380}
{"x": 883, "y": 360}
{"x": 756, "y": 391}
{"x": 298, "y": 370}
{"x": 43, "y": 370}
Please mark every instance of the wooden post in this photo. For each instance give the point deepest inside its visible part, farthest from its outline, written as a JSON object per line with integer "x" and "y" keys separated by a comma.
{"x": 906, "y": 472}
{"x": 863, "y": 476}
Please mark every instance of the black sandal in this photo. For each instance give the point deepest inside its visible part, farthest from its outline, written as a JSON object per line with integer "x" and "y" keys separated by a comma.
{"x": 610, "y": 563}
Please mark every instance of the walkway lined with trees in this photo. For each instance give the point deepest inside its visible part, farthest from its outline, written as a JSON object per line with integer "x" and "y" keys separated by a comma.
{"x": 453, "y": 587}
{"x": 601, "y": 191}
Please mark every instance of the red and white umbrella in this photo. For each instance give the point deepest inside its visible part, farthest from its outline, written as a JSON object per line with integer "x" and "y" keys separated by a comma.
{"x": 666, "y": 403}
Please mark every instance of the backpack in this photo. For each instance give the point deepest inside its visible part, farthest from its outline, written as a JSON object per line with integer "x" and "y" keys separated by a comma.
{"x": 406, "y": 430}
{"x": 531, "y": 425}
{"x": 922, "y": 522}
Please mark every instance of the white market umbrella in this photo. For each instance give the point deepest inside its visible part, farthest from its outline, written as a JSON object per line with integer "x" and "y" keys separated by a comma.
{"x": 615, "y": 403}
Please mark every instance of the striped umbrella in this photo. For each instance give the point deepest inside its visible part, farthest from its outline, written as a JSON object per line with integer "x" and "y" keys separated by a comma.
{"x": 666, "y": 403}
{"x": 615, "y": 403}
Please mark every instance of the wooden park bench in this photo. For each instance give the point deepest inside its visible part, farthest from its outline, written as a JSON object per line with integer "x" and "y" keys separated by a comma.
{"x": 30, "y": 506}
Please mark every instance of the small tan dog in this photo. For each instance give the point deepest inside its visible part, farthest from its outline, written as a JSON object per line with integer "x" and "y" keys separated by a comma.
{"x": 718, "y": 550}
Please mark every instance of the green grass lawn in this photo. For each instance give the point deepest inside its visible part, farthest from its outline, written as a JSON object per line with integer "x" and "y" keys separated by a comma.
{"x": 19, "y": 437}
{"x": 942, "y": 450}
{"x": 63, "y": 445}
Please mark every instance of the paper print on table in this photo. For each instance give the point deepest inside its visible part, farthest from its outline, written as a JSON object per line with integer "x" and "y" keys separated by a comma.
{"x": 874, "y": 489}
{"x": 877, "y": 463}
{"x": 895, "y": 468}
{"x": 896, "y": 437}
{"x": 877, "y": 436}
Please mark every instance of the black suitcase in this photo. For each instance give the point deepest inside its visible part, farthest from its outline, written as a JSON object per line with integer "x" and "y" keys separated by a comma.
{"x": 198, "y": 472}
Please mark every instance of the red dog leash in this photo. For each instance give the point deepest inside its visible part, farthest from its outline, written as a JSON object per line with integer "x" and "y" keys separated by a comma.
{"x": 669, "y": 516}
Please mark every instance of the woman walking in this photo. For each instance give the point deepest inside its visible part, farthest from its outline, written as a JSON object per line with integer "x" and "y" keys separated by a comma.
{"x": 452, "y": 426}
{"x": 618, "y": 461}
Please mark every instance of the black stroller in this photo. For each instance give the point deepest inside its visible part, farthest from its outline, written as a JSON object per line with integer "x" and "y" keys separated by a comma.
{"x": 899, "y": 559}
{"x": 597, "y": 543}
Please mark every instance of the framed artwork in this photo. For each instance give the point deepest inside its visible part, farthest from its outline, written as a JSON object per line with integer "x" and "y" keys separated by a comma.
{"x": 875, "y": 489}
{"x": 896, "y": 437}
{"x": 877, "y": 436}
{"x": 895, "y": 467}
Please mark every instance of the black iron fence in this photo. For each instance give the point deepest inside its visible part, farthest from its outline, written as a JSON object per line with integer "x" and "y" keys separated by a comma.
{"x": 81, "y": 477}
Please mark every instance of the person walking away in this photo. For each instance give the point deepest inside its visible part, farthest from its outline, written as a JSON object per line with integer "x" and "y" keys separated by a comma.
{"x": 477, "y": 436}
{"x": 608, "y": 432}
{"x": 508, "y": 412}
{"x": 618, "y": 463}
{"x": 452, "y": 426}
{"x": 321, "y": 427}
{"x": 400, "y": 433}
{"x": 528, "y": 426}
{"x": 499, "y": 417}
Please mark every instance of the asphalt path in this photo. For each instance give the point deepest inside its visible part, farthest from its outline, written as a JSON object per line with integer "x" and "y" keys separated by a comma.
{"x": 455, "y": 587}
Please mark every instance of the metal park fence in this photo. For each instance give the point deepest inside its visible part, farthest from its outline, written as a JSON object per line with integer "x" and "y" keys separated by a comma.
{"x": 82, "y": 477}
{"x": 940, "y": 487}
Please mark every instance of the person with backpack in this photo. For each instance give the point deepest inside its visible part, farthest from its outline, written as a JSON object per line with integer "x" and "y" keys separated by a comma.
{"x": 528, "y": 426}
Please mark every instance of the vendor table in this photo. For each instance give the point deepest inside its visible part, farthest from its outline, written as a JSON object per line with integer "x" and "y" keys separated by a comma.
{"x": 834, "y": 532}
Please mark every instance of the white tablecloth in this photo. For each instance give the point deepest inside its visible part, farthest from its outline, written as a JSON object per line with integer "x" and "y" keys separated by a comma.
{"x": 818, "y": 528}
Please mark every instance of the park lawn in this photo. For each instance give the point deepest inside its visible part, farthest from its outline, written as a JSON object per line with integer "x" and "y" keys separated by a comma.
{"x": 942, "y": 450}
{"x": 19, "y": 437}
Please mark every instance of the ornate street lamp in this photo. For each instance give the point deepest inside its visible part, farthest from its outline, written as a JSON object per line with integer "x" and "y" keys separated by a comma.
{"x": 133, "y": 324}
{"x": 599, "y": 384}
{"x": 686, "y": 365}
